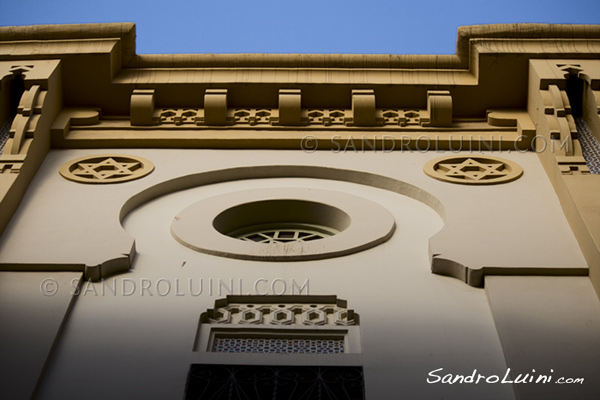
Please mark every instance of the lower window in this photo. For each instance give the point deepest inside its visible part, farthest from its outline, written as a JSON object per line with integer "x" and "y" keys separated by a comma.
{"x": 258, "y": 382}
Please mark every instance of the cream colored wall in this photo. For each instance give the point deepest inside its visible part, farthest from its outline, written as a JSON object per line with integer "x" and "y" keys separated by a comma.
{"x": 484, "y": 226}
{"x": 30, "y": 323}
{"x": 412, "y": 321}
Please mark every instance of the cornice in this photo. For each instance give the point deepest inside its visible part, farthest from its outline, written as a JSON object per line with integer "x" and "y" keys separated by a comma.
{"x": 125, "y": 32}
{"x": 491, "y": 65}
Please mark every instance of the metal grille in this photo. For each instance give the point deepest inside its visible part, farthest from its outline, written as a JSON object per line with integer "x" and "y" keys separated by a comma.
{"x": 260, "y": 382}
{"x": 4, "y": 134}
{"x": 278, "y": 346}
{"x": 589, "y": 145}
{"x": 285, "y": 233}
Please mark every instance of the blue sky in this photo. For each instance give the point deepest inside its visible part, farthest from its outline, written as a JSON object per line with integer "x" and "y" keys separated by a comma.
{"x": 300, "y": 26}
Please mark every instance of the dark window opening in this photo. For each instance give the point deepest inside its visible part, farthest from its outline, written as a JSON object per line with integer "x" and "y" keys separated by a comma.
{"x": 575, "y": 93}
{"x": 16, "y": 88}
{"x": 16, "y": 92}
{"x": 259, "y": 382}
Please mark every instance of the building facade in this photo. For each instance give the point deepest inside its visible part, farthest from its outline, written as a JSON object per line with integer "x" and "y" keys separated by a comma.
{"x": 300, "y": 226}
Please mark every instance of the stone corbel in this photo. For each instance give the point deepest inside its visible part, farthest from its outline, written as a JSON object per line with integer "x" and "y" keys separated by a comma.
{"x": 290, "y": 108}
{"x": 363, "y": 108}
{"x": 439, "y": 108}
{"x": 215, "y": 107}
{"x": 142, "y": 107}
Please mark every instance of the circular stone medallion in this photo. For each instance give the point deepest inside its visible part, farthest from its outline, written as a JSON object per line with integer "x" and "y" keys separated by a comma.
{"x": 473, "y": 170}
{"x": 106, "y": 168}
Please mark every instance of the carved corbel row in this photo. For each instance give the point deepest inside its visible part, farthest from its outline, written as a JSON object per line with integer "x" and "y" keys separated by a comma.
{"x": 290, "y": 111}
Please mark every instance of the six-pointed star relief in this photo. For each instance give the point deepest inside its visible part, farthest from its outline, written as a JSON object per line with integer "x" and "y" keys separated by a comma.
{"x": 106, "y": 169}
{"x": 471, "y": 169}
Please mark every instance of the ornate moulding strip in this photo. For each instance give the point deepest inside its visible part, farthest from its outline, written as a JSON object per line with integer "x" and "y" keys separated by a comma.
{"x": 29, "y": 138}
{"x": 290, "y": 111}
{"x": 218, "y": 126}
{"x": 322, "y": 117}
{"x": 463, "y": 136}
{"x": 281, "y": 310}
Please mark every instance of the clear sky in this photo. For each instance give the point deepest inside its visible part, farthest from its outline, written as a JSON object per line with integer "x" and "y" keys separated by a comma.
{"x": 299, "y": 26}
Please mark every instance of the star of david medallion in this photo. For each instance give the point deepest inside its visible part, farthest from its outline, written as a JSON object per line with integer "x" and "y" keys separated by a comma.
{"x": 473, "y": 170}
{"x": 111, "y": 168}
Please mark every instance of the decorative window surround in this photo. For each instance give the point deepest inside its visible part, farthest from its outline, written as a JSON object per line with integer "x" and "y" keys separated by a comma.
{"x": 212, "y": 225}
{"x": 285, "y": 317}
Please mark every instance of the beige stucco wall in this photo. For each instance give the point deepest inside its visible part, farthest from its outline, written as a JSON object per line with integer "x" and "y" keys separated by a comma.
{"x": 412, "y": 321}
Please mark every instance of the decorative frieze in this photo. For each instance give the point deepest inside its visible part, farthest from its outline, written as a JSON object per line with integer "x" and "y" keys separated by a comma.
{"x": 323, "y": 117}
{"x": 283, "y": 310}
{"x": 290, "y": 112}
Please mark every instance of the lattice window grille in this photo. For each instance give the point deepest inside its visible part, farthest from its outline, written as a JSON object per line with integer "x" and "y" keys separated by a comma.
{"x": 277, "y": 345}
{"x": 259, "y": 382}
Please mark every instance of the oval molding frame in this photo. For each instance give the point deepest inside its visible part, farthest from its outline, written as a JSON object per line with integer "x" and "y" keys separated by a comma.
{"x": 370, "y": 224}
